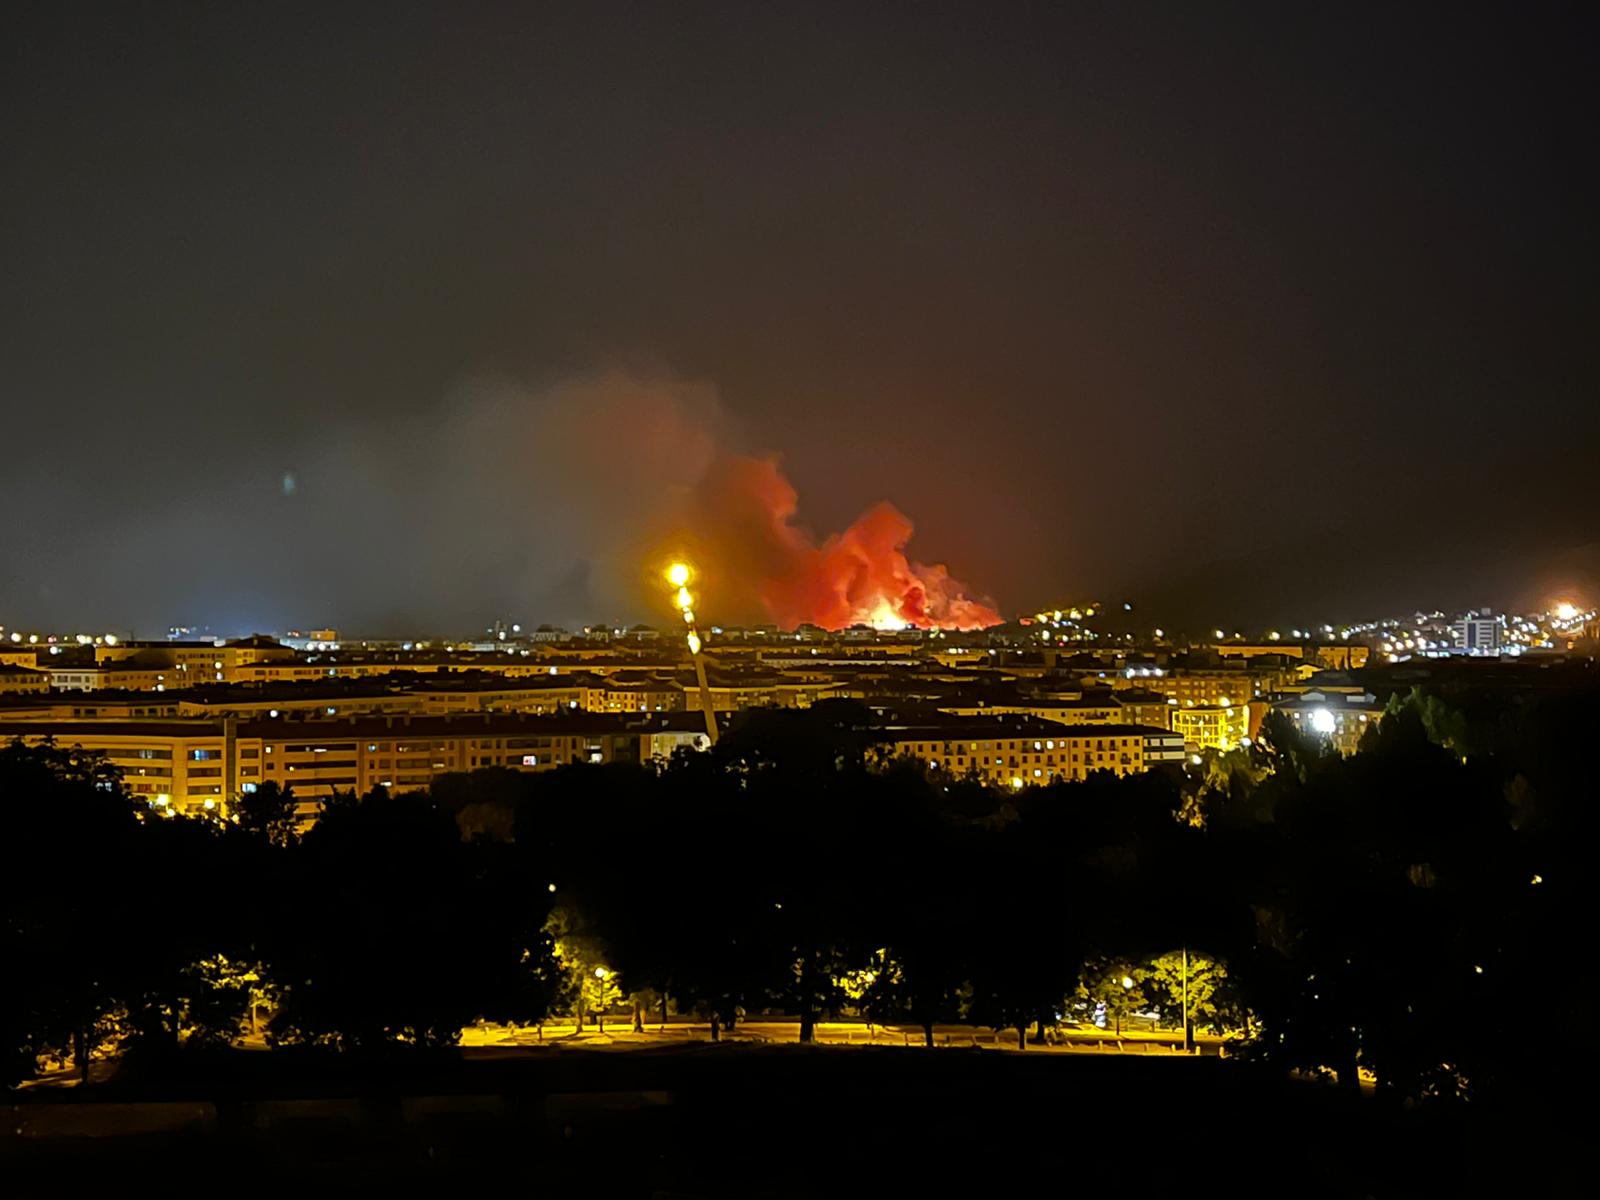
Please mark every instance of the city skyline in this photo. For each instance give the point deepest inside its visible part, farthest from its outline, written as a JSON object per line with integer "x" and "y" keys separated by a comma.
{"x": 1118, "y": 621}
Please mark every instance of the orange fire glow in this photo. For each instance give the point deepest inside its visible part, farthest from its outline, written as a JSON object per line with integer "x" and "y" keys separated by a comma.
{"x": 746, "y": 509}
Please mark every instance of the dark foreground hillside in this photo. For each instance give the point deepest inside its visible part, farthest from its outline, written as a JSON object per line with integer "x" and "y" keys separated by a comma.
{"x": 778, "y": 1121}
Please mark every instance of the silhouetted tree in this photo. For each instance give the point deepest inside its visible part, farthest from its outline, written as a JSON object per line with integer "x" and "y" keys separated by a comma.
{"x": 1117, "y": 985}
{"x": 70, "y": 870}
{"x": 407, "y": 932}
{"x": 269, "y": 812}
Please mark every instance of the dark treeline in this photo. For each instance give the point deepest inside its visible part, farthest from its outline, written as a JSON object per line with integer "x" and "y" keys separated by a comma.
{"x": 1397, "y": 911}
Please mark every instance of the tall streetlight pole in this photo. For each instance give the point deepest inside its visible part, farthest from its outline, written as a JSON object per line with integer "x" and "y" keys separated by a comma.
{"x": 1188, "y": 1038}
{"x": 678, "y": 575}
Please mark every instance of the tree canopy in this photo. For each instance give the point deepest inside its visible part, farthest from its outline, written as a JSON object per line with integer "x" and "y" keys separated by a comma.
{"x": 1374, "y": 913}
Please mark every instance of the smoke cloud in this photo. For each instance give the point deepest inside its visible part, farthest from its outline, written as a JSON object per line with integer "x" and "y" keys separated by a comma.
{"x": 761, "y": 558}
{"x": 556, "y": 502}
{"x": 614, "y": 473}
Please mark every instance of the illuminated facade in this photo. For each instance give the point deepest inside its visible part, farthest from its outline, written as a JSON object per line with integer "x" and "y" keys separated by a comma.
{"x": 199, "y": 766}
{"x": 1268, "y": 649}
{"x": 1016, "y": 753}
{"x": 23, "y": 681}
{"x": 1063, "y": 712}
{"x": 1340, "y": 718}
{"x": 783, "y": 693}
{"x": 1143, "y": 707}
{"x": 1343, "y": 656}
{"x": 1202, "y": 688}
{"x": 115, "y": 677}
{"x": 1211, "y": 726}
{"x": 179, "y": 765}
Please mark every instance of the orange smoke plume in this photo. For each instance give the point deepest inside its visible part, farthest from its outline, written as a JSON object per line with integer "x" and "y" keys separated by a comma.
{"x": 745, "y": 510}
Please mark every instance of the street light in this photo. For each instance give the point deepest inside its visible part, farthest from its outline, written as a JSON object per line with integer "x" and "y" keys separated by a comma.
{"x": 602, "y": 975}
{"x": 1188, "y": 1031}
{"x": 678, "y": 575}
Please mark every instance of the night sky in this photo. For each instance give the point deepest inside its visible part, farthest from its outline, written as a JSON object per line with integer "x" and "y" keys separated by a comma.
{"x": 399, "y": 316}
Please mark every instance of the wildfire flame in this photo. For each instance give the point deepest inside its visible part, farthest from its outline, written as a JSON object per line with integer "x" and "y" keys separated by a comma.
{"x": 745, "y": 512}
{"x": 884, "y": 616}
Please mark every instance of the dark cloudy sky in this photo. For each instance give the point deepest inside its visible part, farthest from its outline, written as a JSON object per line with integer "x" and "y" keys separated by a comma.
{"x": 397, "y": 315}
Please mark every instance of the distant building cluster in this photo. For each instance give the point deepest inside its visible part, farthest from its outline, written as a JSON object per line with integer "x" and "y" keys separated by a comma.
{"x": 194, "y": 722}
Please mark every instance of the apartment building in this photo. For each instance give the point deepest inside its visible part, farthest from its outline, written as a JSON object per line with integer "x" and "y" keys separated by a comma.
{"x": 198, "y": 765}
{"x": 1016, "y": 751}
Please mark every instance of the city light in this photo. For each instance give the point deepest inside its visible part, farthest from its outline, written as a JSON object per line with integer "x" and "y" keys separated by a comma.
{"x": 678, "y": 574}
{"x": 1566, "y": 610}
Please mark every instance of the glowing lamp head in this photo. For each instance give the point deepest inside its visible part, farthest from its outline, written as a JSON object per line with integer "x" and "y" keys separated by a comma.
{"x": 1322, "y": 720}
{"x": 1566, "y": 610}
{"x": 685, "y": 600}
{"x": 1127, "y": 983}
{"x": 678, "y": 574}
{"x": 694, "y": 642}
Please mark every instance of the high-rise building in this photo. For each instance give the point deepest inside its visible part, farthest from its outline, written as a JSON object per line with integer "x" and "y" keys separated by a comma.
{"x": 1475, "y": 634}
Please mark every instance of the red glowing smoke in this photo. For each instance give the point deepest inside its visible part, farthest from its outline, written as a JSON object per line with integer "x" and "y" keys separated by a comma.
{"x": 745, "y": 519}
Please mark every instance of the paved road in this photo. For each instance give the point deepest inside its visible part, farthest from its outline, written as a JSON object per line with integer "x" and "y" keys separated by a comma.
{"x": 619, "y": 1033}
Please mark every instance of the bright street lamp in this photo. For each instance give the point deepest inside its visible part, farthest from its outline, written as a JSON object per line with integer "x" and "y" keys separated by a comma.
{"x": 678, "y": 575}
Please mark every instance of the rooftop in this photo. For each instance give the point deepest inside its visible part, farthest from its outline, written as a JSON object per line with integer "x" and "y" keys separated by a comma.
{"x": 270, "y": 728}
{"x": 980, "y": 728}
